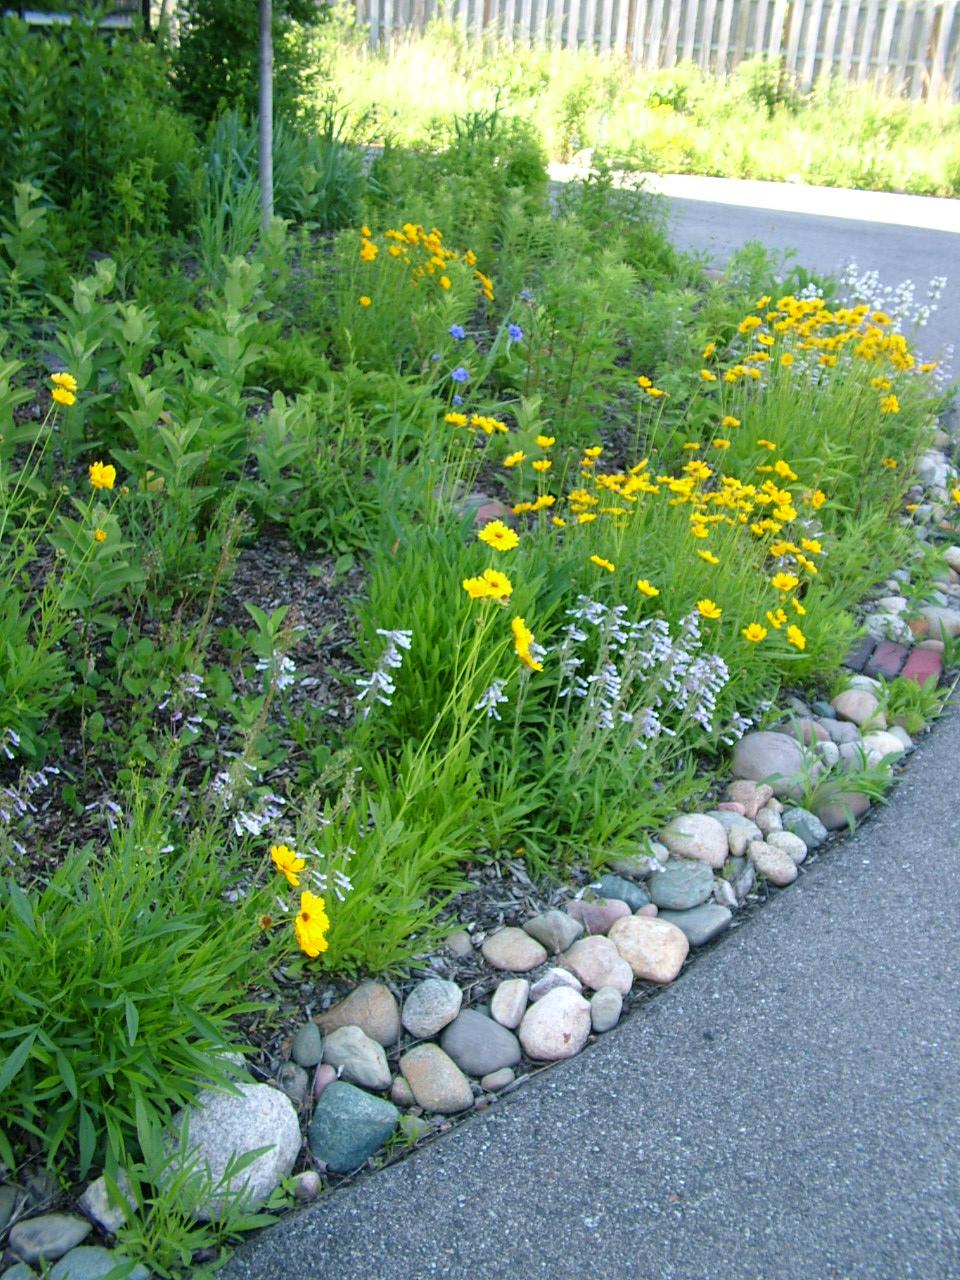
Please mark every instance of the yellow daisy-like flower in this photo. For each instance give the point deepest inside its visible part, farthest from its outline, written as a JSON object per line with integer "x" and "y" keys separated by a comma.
{"x": 365, "y": 231}
{"x": 545, "y": 442}
{"x": 542, "y": 465}
{"x": 99, "y": 535}
{"x": 784, "y": 470}
{"x": 287, "y": 862}
{"x": 798, "y": 607}
{"x": 955, "y": 494}
{"x": 514, "y": 459}
{"x": 784, "y": 581}
{"x": 647, "y": 588}
{"x": 720, "y": 443}
{"x": 766, "y": 444}
{"x": 709, "y": 557}
{"x": 655, "y": 393}
{"x": 890, "y": 404}
{"x": 368, "y": 251}
{"x": 728, "y": 421}
{"x": 62, "y": 396}
{"x": 754, "y": 633}
{"x": 587, "y": 517}
{"x": 889, "y": 463}
{"x": 786, "y": 360}
{"x": 65, "y": 380}
{"x": 311, "y": 925}
{"x": 594, "y": 451}
{"x": 691, "y": 445}
{"x": 644, "y": 382}
{"x": 365, "y": 300}
{"x": 707, "y": 375}
{"x": 523, "y": 644}
{"x": 699, "y": 531}
{"x": 776, "y": 619}
{"x": 796, "y": 637}
{"x": 456, "y": 419}
{"x": 708, "y": 351}
{"x": 812, "y": 545}
{"x": 817, "y": 499}
{"x": 444, "y": 282}
{"x": 498, "y": 536}
{"x": 708, "y": 609}
{"x": 102, "y": 476}
{"x": 602, "y": 564}
{"x": 558, "y": 522}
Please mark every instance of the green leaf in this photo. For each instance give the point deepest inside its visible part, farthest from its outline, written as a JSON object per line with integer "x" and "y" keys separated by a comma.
{"x": 15, "y": 1061}
{"x": 133, "y": 1019}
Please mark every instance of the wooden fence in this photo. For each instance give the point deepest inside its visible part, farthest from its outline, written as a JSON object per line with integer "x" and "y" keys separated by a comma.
{"x": 911, "y": 46}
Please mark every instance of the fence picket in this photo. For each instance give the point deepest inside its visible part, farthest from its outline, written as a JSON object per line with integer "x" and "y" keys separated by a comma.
{"x": 921, "y": 75}
{"x": 638, "y": 32}
{"x": 904, "y": 48}
{"x": 620, "y": 35}
{"x": 690, "y": 28}
{"x": 656, "y": 34}
{"x": 760, "y": 29}
{"x": 797, "y": 15}
{"x": 938, "y": 74}
{"x": 869, "y": 37}
{"x": 672, "y": 33}
{"x": 890, "y": 14}
{"x": 706, "y": 34}
{"x": 723, "y": 36}
{"x": 848, "y": 37}
{"x": 776, "y": 29}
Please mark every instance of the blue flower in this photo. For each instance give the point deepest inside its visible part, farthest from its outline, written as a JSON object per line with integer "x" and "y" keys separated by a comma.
{"x": 515, "y": 332}
{"x": 460, "y": 374}
{"x": 458, "y": 331}
{"x": 526, "y": 295}
{"x": 458, "y": 399}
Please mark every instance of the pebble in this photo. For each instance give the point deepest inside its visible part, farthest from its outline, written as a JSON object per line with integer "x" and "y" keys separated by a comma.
{"x": 307, "y": 1185}
{"x": 628, "y": 891}
{"x": 700, "y": 924}
{"x": 555, "y": 930}
{"x": 509, "y": 1002}
{"x": 598, "y": 963}
{"x": 736, "y": 821}
{"x": 324, "y": 1075}
{"x": 555, "y": 977}
{"x": 437, "y": 1082}
{"x": 697, "y": 836}
{"x": 805, "y": 730}
{"x": 952, "y": 557}
{"x": 349, "y": 1126}
{"x": 606, "y": 1006}
{"x": 879, "y": 744}
{"x": 91, "y": 1262}
{"x": 774, "y": 864}
{"x": 8, "y": 1203}
{"x": 294, "y": 1082}
{"x": 892, "y": 604}
{"x": 738, "y": 839}
{"x": 494, "y": 1081}
{"x": 47, "y": 1238}
{"x": 459, "y": 944}
{"x": 842, "y": 731}
{"x": 19, "y": 1271}
{"x": 776, "y": 756}
{"x": 557, "y": 1026}
{"x": 858, "y": 706}
{"x": 597, "y": 917}
{"x": 724, "y": 894}
{"x": 829, "y": 753}
{"x": 632, "y": 866}
{"x": 838, "y": 812}
{"x": 651, "y": 910}
{"x": 357, "y": 1058}
{"x": 654, "y": 949}
{"x": 790, "y": 844}
{"x": 887, "y": 626}
{"x": 806, "y": 825}
{"x": 479, "y": 1045}
{"x": 430, "y": 1006}
{"x": 372, "y": 1007}
{"x": 97, "y": 1204}
{"x": 401, "y": 1093}
{"x": 769, "y": 820}
{"x": 897, "y": 731}
{"x": 222, "y": 1126}
{"x": 742, "y": 877}
{"x": 307, "y": 1047}
{"x": 514, "y": 950}
{"x": 682, "y": 884}
{"x": 752, "y": 795}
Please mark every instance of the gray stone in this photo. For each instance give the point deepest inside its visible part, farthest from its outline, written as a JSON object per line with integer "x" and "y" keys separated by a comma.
{"x": 769, "y": 820}
{"x": 880, "y": 744}
{"x": 372, "y": 1007}
{"x": 223, "y": 1126}
{"x": 859, "y": 706}
{"x": 724, "y": 894}
{"x": 47, "y": 1238}
{"x": 628, "y": 891}
{"x": 555, "y": 930}
{"x": 322, "y": 1076}
{"x": 478, "y": 1045}
{"x": 294, "y": 1082}
{"x": 774, "y": 757}
{"x": 598, "y": 963}
{"x": 97, "y": 1204}
{"x": 897, "y": 731}
{"x": 8, "y": 1203}
{"x": 822, "y": 709}
{"x": 774, "y": 864}
{"x": 556, "y": 977}
{"x": 557, "y": 1026}
{"x": 307, "y": 1047}
{"x": 682, "y": 884}
{"x": 357, "y": 1058}
{"x": 349, "y": 1126}
{"x": 806, "y": 825}
{"x": 697, "y": 836}
{"x": 887, "y": 626}
{"x": 731, "y": 821}
{"x": 459, "y": 944}
{"x": 742, "y": 877}
{"x": 19, "y": 1271}
{"x": 829, "y": 753}
{"x": 842, "y": 731}
{"x": 91, "y": 1262}
{"x": 513, "y": 949}
{"x": 606, "y": 1007}
{"x": 597, "y": 917}
{"x": 307, "y": 1186}
{"x": 430, "y": 1006}
{"x": 700, "y": 924}
{"x": 632, "y": 866}
{"x": 437, "y": 1082}
{"x": 752, "y": 795}
{"x": 839, "y": 811}
{"x": 509, "y": 1002}
{"x": 789, "y": 843}
{"x": 401, "y": 1093}
{"x": 494, "y": 1081}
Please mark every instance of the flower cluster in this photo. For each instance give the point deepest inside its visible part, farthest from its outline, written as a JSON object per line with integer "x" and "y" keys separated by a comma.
{"x": 380, "y": 684}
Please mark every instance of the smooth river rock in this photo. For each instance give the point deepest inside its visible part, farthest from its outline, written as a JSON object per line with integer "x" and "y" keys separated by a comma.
{"x": 681, "y": 884}
{"x": 556, "y": 1027}
{"x": 654, "y": 949}
{"x": 696, "y": 836}
{"x": 773, "y": 863}
{"x": 372, "y": 1007}
{"x": 700, "y": 924}
{"x": 478, "y": 1045}
{"x": 430, "y": 1006}
{"x": 598, "y": 963}
{"x": 437, "y": 1082}
{"x": 775, "y": 757}
{"x": 514, "y": 950}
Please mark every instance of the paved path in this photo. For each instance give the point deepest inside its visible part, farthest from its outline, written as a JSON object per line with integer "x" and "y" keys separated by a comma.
{"x": 788, "y": 1110}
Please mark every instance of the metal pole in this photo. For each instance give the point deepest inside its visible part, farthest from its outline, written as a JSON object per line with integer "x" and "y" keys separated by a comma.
{"x": 266, "y": 113}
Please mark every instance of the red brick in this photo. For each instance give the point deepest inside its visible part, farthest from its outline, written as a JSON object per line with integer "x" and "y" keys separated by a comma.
{"x": 922, "y": 664}
{"x": 886, "y": 660}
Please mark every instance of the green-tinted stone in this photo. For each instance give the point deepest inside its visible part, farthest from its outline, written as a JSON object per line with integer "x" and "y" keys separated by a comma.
{"x": 349, "y": 1125}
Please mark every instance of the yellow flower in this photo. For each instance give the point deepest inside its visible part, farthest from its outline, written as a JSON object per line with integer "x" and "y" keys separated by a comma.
{"x": 99, "y": 535}
{"x": 748, "y": 324}
{"x": 602, "y": 564}
{"x": 541, "y": 465}
{"x": 523, "y": 644}
{"x": 444, "y": 282}
{"x": 784, "y": 581}
{"x": 800, "y": 610}
{"x": 776, "y": 619}
{"x": 721, "y": 444}
{"x": 365, "y": 300}
{"x": 796, "y": 637}
{"x": 889, "y": 463}
{"x": 558, "y": 522}
{"x": 644, "y": 382}
{"x": 754, "y": 633}
{"x": 708, "y": 351}
{"x": 594, "y": 451}
{"x": 62, "y": 396}
{"x": 498, "y": 536}
{"x": 692, "y": 445}
{"x": 456, "y": 419}
{"x": 766, "y": 444}
{"x": 709, "y": 557}
{"x": 368, "y": 251}
{"x": 102, "y": 476}
{"x": 655, "y": 393}
{"x": 729, "y": 422}
{"x": 812, "y": 545}
{"x": 699, "y": 531}
{"x": 65, "y": 380}
{"x": 707, "y": 609}
{"x": 928, "y": 366}
{"x": 708, "y": 375}
{"x": 646, "y": 588}
{"x": 783, "y": 470}
{"x": 786, "y": 360}
{"x": 365, "y": 231}
{"x": 889, "y": 404}
{"x": 817, "y": 499}
{"x": 545, "y": 442}
{"x": 512, "y": 459}
{"x": 587, "y": 518}
{"x": 287, "y": 862}
{"x": 311, "y": 925}
{"x": 955, "y": 494}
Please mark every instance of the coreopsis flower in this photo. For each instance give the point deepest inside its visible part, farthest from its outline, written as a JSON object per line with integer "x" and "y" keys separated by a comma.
{"x": 514, "y": 459}
{"x": 708, "y": 609}
{"x": 311, "y": 924}
{"x": 65, "y": 380}
{"x": 647, "y": 588}
{"x": 542, "y": 465}
{"x": 365, "y": 300}
{"x": 707, "y": 375}
{"x": 287, "y": 862}
{"x": 709, "y": 557}
{"x": 62, "y": 396}
{"x": 545, "y": 442}
{"x": 99, "y": 535}
{"x": 796, "y": 637}
{"x": 498, "y": 536}
{"x": 602, "y": 564}
{"x": 754, "y": 633}
{"x": 784, "y": 581}
{"x": 102, "y": 475}
{"x": 527, "y": 651}
{"x": 728, "y": 421}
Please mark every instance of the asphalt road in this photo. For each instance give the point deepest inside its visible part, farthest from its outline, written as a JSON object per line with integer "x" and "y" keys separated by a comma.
{"x": 788, "y": 1109}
